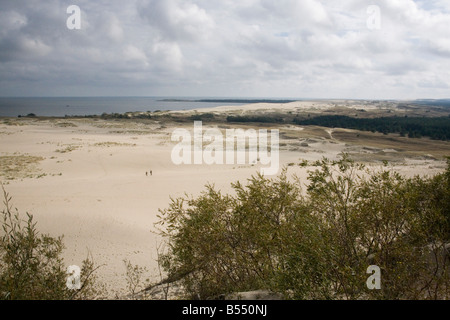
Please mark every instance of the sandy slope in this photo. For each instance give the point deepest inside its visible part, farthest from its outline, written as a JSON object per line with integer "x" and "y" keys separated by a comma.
{"x": 300, "y": 106}
{"x": 98, "y": 195}
{"x": 96, "y": 192}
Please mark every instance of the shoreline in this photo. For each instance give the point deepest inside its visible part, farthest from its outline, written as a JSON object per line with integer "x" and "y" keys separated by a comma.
{"x": 229, "y": 104}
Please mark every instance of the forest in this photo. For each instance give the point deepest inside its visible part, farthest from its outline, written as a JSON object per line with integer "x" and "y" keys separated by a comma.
{"x": 436, "y": 128}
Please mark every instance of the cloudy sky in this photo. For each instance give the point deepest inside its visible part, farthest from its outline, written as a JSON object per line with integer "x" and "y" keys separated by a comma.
{"x": 376, "y": 49}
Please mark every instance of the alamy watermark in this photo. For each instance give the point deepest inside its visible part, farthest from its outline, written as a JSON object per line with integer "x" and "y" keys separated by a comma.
{"x": 74, "y": 20}
{"x": 374, "y": 19}
{"x": 73, "y": 281}
{"x": 237, "y": 146}
{"x": 374, "y": 281}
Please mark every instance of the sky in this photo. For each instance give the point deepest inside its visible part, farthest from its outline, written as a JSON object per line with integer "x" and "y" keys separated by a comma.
{"x": 350, "y": 49}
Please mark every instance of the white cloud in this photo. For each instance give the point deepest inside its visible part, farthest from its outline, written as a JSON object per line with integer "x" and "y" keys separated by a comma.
{"x": 131, "y": 53}
{"x": 310, "y": 48}
{"x": 112, "y": 28}
{"x": 169, "y": 56}
{"x": 177, "y": 20}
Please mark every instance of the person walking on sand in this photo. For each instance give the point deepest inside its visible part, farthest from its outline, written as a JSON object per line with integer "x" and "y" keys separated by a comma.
{"x": 146, "y": 173}
{"x": 151, "y": 172}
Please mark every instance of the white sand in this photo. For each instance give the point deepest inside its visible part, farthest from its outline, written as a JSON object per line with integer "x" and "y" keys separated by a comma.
{"x": 103, "y": 202}
{"x": 310, "y": 106}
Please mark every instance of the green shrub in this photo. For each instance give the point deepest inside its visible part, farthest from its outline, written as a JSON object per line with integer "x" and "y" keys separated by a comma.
{"x": 315, "y": 244}
{"x": 31, "y": 267}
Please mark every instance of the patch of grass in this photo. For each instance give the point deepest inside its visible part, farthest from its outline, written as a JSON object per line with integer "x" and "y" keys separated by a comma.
{"x": 109, "y": 144}
{"x": 68, "y": 149}
{"x": 404, "y": 145}
{"x": 19, "y": 166}
{"x": 66, "y": 124}
{"x": 131, "y": 132}
{"x": 12, "y": 122}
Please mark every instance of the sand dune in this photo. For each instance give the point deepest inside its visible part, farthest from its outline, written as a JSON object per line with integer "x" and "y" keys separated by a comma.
{"x": 91, "y": 184}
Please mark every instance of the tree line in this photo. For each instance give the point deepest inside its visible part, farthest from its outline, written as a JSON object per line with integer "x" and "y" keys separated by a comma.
{"x": 437, "y": 128}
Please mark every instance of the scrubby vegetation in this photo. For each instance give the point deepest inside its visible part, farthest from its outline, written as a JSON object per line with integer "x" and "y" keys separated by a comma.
{"x": 306, "y": 240}
{"x": 31, "y": 267}
{"x": 19, "y": 166}
{"x": 316, "y": 243}
{"x": 437, "y": 128}
{"x": 260, "y": 119}
{"x": 202, "y": 117}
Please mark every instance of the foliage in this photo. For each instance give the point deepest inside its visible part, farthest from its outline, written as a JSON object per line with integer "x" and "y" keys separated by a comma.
{"x": 135, "y": 278}
{"x": 260, "y": 119}
{"x": 202, "y": 117}
{"x": 437, "y": 128}
{"x": 31, "y": 267}
{"x": 317, "y": 243}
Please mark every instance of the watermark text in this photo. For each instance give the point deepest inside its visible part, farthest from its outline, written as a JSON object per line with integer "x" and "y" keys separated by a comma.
{"x": 237, "y": 146}
{"x": 74, "y": 20}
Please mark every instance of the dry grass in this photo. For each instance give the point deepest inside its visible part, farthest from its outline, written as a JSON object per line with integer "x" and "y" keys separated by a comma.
{"x": 403, "y": 145}
{"x": 133, "y": 132}
{"x": 66, "y": 125}
{"x": 13, "y": 122}
{"x": 19, "y": 166}
{"x": 68, "y": 148}
{"x": 110, "y": 144}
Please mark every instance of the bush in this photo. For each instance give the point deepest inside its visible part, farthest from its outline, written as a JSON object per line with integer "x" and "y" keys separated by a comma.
{"x": 315, "y": 244}
{"x": 260, "y": 119}
{"x": 202, "y": 117}
{"x": 31, "y": 267}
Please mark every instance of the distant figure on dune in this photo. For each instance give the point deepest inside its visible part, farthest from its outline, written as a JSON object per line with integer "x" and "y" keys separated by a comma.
{"x": 151, "y": 172}
{"x": 146, "y": 173}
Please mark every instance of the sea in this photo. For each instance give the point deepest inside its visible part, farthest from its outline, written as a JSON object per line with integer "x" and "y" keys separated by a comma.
{"x": 86, "y": 106}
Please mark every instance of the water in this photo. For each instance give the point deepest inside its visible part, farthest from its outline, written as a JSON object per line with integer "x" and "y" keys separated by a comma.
{"x": 81, "y": 106}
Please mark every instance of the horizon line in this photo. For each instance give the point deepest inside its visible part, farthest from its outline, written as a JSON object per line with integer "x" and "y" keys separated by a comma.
{"x": 224, "y": 98}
